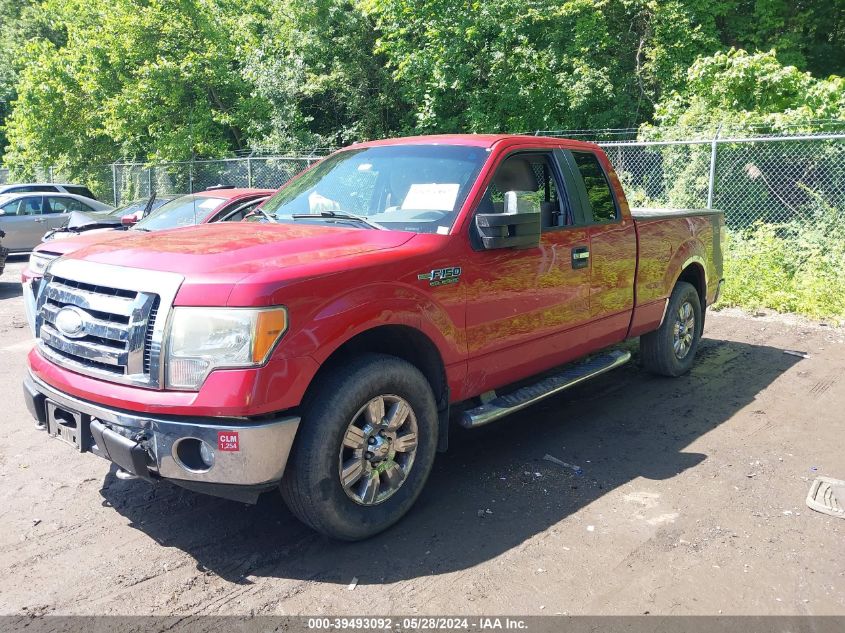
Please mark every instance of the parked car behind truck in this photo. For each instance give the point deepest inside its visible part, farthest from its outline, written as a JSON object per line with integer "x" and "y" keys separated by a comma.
{"x": 405, "y": 284}
{"x": 25, "y": 217}
{"x": 218, "y": 205}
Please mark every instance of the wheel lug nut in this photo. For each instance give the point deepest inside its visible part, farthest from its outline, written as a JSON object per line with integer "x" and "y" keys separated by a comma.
{"x": 368, "y": 455}
{"x": 371, "y": 440}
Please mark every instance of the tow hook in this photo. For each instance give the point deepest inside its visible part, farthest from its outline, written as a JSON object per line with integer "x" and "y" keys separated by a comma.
{"x": 125, "y": 475}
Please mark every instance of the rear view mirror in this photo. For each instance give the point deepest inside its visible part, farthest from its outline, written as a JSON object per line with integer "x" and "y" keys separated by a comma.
{"x": 517, "y": 227}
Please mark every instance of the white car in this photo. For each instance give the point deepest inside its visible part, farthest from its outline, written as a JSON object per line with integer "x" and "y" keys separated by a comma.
{"x": 48, "y": 187}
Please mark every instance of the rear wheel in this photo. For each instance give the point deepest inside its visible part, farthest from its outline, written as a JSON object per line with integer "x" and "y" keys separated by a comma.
{"x": 670, "y": 350}
{"x": 364, "y": 449}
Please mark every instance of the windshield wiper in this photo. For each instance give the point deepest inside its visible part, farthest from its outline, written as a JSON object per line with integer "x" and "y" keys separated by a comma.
{"x": 340, "y": 215}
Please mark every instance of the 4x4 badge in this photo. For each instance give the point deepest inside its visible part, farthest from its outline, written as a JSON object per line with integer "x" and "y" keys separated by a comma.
{"x": 442, "y": 276}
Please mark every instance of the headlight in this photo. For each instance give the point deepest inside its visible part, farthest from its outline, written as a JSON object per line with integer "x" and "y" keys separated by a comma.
{"x": 203, "y": 339}
{"x": 38, "y": 261}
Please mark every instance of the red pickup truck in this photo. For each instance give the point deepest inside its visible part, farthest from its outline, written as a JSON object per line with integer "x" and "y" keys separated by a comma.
{"x": 394, "y": 286}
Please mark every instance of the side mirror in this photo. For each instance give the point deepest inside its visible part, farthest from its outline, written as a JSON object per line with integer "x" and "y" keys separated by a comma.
{"x": 515, "y": 228}
{"x": 128, "y": 220}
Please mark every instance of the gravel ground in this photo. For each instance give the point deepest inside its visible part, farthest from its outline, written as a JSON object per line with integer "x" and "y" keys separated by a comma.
{"x": 691, "y": 501}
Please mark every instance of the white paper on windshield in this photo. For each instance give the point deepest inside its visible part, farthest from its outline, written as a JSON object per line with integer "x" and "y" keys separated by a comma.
{"x": 431, "y": 196}
{"x": 317, "y": 203}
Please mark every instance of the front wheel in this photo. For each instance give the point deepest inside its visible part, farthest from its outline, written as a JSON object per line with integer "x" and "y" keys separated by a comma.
{"x": 364, "y": 449}
{"x": 670, "y": 350}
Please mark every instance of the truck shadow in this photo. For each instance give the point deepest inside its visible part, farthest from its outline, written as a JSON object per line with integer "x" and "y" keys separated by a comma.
{"x": 620, "y": 427}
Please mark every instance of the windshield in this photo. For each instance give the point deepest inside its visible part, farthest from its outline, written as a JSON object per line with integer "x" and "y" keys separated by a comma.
{"x": 135, "y": 206}
{"x": 417, "y": 188}
{"x": 183, "y": 211}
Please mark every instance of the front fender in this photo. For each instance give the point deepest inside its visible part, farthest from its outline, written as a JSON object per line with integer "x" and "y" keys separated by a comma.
{"x": 359, "y": 309}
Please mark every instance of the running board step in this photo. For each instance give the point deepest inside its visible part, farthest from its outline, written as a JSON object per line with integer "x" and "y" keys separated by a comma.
{"x": 526, "y": 396}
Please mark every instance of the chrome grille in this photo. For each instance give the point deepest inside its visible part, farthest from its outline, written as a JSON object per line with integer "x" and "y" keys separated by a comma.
{"x": 115, "y": 332}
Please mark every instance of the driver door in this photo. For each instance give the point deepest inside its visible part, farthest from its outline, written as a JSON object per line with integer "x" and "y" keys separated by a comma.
{"x": 527, "y": 309}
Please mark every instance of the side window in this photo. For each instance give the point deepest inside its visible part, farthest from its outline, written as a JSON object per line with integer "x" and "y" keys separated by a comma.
{"x": 30, "y": 206}
{"x": 11, "y": 208}
{"x": 85, "y": 192}
{"x": 29, "y": 188}
{"x": 58, "y": 204}
{"x": 531, "y": 180}
{"x": 239, "y": 213}
{"x": 598, "y": 189}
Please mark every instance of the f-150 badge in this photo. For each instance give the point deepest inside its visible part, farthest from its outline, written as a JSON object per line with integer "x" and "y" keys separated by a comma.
{"x": 442, "y": 276}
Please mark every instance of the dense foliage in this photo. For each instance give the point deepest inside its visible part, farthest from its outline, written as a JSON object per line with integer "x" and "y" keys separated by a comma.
{"x": 85, "y": 81}
{"x": 793, "y": 267}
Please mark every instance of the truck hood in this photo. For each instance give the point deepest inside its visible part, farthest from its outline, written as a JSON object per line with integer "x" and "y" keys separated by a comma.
{"x": 63, "y": 242}
{"x": 234, "y": 250}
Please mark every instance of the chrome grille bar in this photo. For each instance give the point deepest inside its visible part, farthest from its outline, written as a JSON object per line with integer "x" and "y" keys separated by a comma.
{"x": 87, "y": 300}
{"x": 83, "y": 349}
{"x": 100, "y": 328}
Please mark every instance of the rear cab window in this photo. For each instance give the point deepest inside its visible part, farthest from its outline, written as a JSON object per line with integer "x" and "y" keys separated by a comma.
{"x": 593, "y": 187}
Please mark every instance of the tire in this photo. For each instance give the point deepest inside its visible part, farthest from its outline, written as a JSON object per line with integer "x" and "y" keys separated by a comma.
{"x": 660, "y": 350}
{"x": 348, "y": 396}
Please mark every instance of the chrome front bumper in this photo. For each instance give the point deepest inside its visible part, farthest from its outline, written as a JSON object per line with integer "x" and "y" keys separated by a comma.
{"x": 255, "y": 458}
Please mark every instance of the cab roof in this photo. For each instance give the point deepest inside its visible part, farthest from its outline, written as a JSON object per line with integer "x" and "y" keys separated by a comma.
{"x": 477, "y": 140}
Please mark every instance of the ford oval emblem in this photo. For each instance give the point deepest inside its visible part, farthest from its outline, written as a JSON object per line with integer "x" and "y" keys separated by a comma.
{"x": 70, "y": 321}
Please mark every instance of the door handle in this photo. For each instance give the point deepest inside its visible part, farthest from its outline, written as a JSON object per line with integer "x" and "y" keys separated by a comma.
{"x": 580, "y": 257}
{"x": 39, "y": 220}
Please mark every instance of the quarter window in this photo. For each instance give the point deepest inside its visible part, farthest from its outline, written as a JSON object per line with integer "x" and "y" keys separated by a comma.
{"x": 598, "y": 189}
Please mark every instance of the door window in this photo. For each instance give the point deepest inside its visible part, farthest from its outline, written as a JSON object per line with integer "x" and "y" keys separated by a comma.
{"x": 26, "y": 206}
{"x": 599, "y": 193}
{"x": 531, "y": 182}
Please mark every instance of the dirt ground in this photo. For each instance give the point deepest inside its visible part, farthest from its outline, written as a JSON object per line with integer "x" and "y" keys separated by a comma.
{"x": 691, "y": 501}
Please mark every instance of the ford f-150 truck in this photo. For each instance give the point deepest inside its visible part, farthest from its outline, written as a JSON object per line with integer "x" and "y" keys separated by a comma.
{"x": 396, "y": 286}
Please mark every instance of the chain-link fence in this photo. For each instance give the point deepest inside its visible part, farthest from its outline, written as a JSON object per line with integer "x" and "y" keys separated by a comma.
{"x": 120, "y": 183}
{"x": 769, "y": 179}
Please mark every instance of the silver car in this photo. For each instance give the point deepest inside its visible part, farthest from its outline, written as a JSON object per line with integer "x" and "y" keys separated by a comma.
{"x": 26, "y": 217}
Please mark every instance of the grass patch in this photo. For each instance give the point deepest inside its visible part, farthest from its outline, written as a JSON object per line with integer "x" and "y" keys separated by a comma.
{"x": 796, "y": 267}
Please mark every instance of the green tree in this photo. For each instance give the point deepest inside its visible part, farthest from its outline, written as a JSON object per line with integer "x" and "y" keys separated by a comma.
{"x": 736, "y": 88}
{"x": 20, "y": 22}
{"x": 157, "y": 79}
{"x": 502, "y": 64}
{"x": 318, "y": 69}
